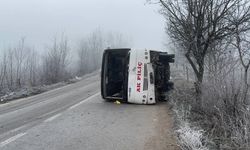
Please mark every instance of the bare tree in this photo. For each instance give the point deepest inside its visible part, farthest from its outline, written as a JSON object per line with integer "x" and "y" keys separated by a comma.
{"x": 242, "y": 41}
{"x": 20, "y": 53}
{"x": 55, "y": 61}
{"x": 95, "y": 46}
{"x": 91, "y": 48}
{"x": 116, "y": 40}
{"x": 195, "y": 25}
{"x": 11, "y": 67}
{"x": 4, "y": 73}
{"x": 90, "y": 52}
{"x": 32, "y": 67}
{"x": 83, "y": 59}
{"x": 14, "y": 66}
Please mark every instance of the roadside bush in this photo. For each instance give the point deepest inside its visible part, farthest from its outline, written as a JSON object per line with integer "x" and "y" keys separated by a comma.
{"x": 227, "y": 119}
{"x": 222, "y": 122}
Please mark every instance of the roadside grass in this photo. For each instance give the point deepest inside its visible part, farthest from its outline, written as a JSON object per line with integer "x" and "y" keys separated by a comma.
{"x": 189, "y": 133}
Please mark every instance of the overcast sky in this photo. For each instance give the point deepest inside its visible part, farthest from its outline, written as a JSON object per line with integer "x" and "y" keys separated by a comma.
{"x": 40, "y": 20}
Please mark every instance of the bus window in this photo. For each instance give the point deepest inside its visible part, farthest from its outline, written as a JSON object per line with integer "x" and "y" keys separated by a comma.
{"x": 145, "y": 80}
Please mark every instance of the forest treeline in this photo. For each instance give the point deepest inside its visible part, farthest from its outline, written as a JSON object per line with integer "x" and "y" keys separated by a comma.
{"x": 23, "y": 66}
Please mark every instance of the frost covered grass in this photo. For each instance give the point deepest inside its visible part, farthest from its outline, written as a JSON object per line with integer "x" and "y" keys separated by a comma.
{"x": 189, "y": 138}
{"x": 26, "y": 91}
{"x": 8, "y": 95}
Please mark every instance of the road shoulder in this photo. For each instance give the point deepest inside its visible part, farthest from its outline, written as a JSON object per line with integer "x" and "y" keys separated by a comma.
{"x": 164, "y": 139}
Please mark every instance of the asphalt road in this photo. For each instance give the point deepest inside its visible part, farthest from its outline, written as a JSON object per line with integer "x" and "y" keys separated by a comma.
{"x": 75, "y": 117}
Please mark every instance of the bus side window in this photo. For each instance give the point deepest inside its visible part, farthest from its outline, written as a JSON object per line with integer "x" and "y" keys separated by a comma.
{"x": 151, "y": 78}
{"x": 145, "y": 80}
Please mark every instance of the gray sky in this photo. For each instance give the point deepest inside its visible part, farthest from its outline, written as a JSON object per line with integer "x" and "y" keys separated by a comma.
{"x": 40, "y": 20}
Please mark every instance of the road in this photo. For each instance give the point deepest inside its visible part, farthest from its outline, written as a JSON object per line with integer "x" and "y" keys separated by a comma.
{"x": 75, "y": 117}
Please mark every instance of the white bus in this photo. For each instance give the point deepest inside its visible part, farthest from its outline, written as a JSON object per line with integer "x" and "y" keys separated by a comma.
{"x": 138, "y": 76}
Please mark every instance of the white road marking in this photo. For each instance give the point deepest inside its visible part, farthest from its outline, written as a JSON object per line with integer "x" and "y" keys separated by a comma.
{"x": 52, "y": 118}
{"x": 83, "y": 101}
{"x": 17, "y": 129}
{"x": 12, "y": 139}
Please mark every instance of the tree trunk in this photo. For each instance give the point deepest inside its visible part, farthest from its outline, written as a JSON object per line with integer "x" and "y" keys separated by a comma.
{"x": 187, "y": 73}
{"x": 198, "y": 89}
{"x": 246, "y": 86}
{"x": 199, "y": 78}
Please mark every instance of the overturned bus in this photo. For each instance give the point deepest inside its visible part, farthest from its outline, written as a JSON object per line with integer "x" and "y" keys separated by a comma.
{"x": 138, "y": 76}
